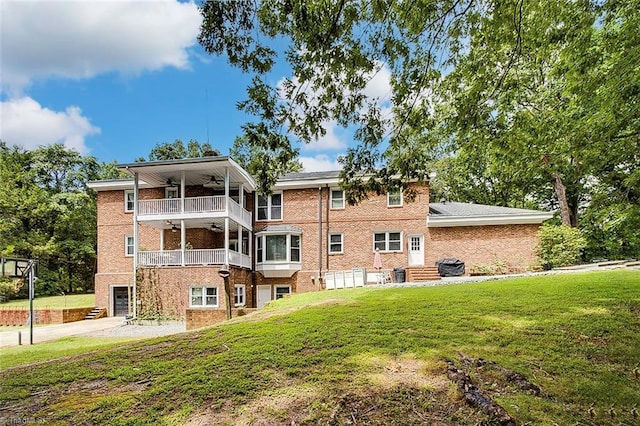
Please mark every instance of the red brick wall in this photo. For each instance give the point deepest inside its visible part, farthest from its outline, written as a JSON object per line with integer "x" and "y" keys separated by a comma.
{"x": 484, "y": 245}
{"x": 15, "y": 316}
{"x": 172, "y": 286}
{"x": 356, "y": 223}
{"x": 200, "y": 317}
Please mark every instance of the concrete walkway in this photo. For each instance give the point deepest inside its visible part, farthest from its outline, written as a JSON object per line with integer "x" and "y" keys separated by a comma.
{"x": 57, "y": 331}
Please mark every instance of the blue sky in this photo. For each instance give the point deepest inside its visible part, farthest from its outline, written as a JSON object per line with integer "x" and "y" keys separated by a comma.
{"x": 113, "y": 78}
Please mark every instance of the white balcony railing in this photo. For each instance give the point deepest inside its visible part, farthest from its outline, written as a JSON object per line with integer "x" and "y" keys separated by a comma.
{"x": 214, "y": 203}
{"x": 192, "y": 257}
{"x": 208, "y": 204}
{"x": 239, "y": 212}
{"x": 160, "y": 258}
{"x": 204, "y": 257}
{"x": 161, "y": 206}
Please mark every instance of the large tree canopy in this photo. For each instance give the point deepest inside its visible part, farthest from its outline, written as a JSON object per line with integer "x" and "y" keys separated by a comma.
{"x": 46, "y": 213}
{"x": 513, "y": 102}
{"x": 551, "y": 86}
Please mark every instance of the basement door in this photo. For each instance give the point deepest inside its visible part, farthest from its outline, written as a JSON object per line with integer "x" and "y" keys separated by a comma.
{"x": 416, "y": 250}
{"x": 264, "y": 295}
{"x": 120, "y": 301}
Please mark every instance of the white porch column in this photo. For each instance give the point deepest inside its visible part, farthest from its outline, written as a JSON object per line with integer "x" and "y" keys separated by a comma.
{"x": 182, "y": 186}
{"x": 183, "y": 241}
{"x": 136, "y": 188}
{"x": 226, "y": 240}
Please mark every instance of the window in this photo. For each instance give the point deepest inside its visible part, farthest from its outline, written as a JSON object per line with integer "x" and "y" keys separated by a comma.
{"x": 128, "y": 245}
{"x": 335, "y": 243}
{"x": 270, "y": 207}
{"x": 278, "y": 248}
{"x": 337, "y": 199}
{"x": 172, "y": 192}
{"x": 128, "y": 201}
{"x": 387, "y": 241}
{"x": 259, "y": 250}
{"x": 238, "y": 295}
{"x": 295, "y": 248}
{"x": 282, "y": 291}
{"x": 204, "y": 296}
{"x": 394, "y": 198}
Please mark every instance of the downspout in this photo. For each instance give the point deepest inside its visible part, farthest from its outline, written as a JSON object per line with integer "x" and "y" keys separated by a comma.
{"x": 319, "y": 235}
{"x": 327, "y": 232}
{"x": 136, "y": 188}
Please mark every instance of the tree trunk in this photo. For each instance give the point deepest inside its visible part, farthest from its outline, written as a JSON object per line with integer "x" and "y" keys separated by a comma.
{"x": 561, "y": 193}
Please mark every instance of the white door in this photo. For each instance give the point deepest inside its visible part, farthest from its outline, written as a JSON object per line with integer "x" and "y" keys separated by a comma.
{"x": 264, "y": 295}
{"x": 416, "y": 250}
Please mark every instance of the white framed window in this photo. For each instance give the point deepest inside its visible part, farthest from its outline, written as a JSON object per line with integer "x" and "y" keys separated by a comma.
{"x": 394, "y": 198}
{"x": 203, "y": 297}
{"x": 278, "y": 248}
{"x": 337, "y": 199}
{"x": 387, "y": 241}
{"x": 281, "y": 291}
{"x": 269, "y": 207}
{"x": 128, "y": 245}
{"x": 128, "y": 200}
{"x": 336, "y": 245}
{"x": 172, "y": 192}
{"x": 239, "y": 295}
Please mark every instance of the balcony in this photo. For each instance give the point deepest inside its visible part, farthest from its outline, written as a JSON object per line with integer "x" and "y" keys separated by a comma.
{"x": 193, "y": 257}
{"x": 193, "y": 207}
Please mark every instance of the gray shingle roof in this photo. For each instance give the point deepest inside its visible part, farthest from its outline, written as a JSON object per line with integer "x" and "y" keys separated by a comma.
{"x": 311, "y": 175}
{"x": 469, "y": 209}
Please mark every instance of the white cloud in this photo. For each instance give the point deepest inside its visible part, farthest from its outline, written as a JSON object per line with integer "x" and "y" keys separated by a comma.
{"x": 379, "y": 86}
{"x": 80, "y": 39}
{"x": 24, "y": 122}
{"x": 331, "y": 141}
{"x": 319, "y": 163}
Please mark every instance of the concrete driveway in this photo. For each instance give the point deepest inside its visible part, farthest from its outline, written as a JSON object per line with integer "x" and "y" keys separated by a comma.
{"x": 56, "y": 331}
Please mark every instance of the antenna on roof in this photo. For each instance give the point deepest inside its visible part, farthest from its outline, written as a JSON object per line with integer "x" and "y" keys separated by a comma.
{"x": 207, "y": 112}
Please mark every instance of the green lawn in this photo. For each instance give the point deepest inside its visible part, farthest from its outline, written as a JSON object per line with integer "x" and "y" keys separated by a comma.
{"x": 55, "y": 302}
{"x": 368, "y": 356}
{"x": 45, "y": 351}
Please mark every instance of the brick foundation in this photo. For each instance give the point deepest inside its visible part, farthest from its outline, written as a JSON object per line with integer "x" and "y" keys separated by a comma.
{"x": 202, "y": 317}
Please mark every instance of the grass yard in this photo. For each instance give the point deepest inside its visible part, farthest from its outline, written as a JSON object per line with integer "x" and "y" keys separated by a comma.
{"x": 54, "y": 302}
{"x": 45, "y": 351}
{"x": 368, "y": 356}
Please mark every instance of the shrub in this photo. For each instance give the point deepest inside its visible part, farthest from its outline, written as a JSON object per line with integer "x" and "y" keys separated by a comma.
{"x": 7, "y": 289}
{"x": 559, "y": 245}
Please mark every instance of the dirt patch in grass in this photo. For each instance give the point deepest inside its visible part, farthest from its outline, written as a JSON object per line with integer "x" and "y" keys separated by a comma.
{"x": 287, "y": 405}
{"x": 398, "y": 391}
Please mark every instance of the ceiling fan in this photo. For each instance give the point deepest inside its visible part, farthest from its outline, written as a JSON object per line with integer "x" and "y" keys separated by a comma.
{"x": 216, "y": 228}
{"x": 213, "y": 181}
{"x": 172, "y": 226}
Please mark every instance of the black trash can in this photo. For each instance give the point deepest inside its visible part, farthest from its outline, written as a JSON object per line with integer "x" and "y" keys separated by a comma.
{"x": 399, "y": 275}
{"x": 450, "y": 267}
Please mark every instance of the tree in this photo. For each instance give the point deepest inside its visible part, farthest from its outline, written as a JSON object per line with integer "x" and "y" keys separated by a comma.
{"x": 47, "y": 213}
{"x": 176, "y": 150}
{"x": 549, "y": 86}
{"x": 262, "y": 162}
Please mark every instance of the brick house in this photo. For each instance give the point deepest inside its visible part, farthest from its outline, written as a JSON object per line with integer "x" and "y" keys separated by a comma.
{"x": 165, "y": 234}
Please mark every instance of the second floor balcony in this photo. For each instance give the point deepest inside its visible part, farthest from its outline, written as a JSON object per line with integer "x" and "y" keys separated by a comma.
{"x": 202, "y": 257}
{"x": 193, "y": 207}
